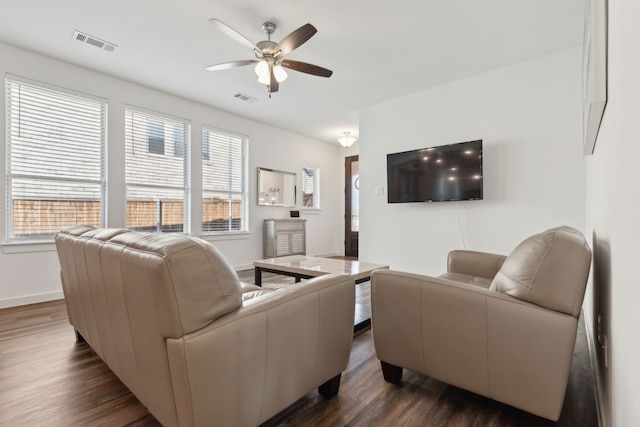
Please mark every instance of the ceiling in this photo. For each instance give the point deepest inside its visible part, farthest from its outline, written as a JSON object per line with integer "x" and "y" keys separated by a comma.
{"x": 378, "y": 50}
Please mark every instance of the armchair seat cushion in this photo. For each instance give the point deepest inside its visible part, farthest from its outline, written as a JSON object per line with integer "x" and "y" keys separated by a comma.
{"x": 252, "y": 295}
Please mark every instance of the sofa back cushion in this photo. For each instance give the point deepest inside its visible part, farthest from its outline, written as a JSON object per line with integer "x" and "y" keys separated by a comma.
{"x": 191, "y": 282}
{"x": 549, "y": 269}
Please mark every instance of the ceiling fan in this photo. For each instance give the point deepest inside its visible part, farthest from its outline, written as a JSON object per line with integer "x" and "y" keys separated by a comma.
{"x": 270, "y": 55}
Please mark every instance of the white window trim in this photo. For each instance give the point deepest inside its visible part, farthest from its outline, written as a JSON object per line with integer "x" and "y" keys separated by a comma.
{"x": 245, "y": 231}
{"x": 186, "y": 227}
{"x": 40, "y": 243}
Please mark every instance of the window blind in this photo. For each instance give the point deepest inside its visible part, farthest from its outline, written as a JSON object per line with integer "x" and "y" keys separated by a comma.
{"x": 56, "y": 142}
{"x": 224, "y": 182}
{"x": 156, "y": 171}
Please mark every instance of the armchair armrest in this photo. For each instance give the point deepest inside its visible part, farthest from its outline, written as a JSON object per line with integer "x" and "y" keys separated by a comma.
{"x": 431, "y": 325}
{"x": 473, "y": 263}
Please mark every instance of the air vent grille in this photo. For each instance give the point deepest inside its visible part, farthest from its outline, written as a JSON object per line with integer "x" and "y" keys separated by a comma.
{"x": 94, "y": 41}
{"x": 245, "y": 98}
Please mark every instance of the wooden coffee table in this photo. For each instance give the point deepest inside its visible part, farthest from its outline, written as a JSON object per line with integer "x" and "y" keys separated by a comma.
{"x": 307, "y": 267}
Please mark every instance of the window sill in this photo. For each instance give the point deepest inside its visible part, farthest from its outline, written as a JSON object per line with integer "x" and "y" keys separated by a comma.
{"x": 312, "y": 211}
{"x": 20, "y": 247}
{"x": 225, "y": 236}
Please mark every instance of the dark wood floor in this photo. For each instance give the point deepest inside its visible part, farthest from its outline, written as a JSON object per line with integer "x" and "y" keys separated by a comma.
{"x": 49, "y": 379}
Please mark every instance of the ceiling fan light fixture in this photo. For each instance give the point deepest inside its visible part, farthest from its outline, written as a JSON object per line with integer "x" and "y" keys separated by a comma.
{"x": 279, "y": 73}
{"x": 264, "y": 79}
{"x": 262, "y": 69}
{"x": 347, "y": 140}
{"x": 264, "y": 76}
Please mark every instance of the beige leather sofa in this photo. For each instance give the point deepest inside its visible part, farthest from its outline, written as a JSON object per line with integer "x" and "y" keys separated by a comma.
{"x": 171, "y": 319}
{"x": 502, "y": 327}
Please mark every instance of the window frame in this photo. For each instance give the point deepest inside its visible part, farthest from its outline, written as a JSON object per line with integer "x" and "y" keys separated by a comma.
{"x": 208, "y": 156}
{"x": 132, "y": 113}
{"x": 52, "y": 94}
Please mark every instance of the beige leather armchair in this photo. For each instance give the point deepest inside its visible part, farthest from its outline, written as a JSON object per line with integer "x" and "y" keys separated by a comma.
{"x": 170, "y": 317}
{"x": 502, "y": 327}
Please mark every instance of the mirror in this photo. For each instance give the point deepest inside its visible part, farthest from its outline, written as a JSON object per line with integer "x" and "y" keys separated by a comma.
{"x": 311, "y": 187}
{"x": 276, "y": 188}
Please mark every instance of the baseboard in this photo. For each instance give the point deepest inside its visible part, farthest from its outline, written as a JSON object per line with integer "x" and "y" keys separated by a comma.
{"x": 242, "y": 267}
{"x": 31, "y": 299}
{"x": 595, "y": 369}
{"x": 330, "y": 254}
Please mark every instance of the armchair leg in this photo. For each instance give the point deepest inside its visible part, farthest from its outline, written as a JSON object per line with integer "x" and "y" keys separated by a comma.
{"x": 391, "y": 373}
{"x": 330, "y": 388}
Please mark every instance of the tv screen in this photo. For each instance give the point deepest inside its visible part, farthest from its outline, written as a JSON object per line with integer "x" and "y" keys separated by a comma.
{"x": 445, "y": 173}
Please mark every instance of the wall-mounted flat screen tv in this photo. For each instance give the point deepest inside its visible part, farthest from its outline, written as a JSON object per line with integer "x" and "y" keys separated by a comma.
{"x": 437, "y": 174}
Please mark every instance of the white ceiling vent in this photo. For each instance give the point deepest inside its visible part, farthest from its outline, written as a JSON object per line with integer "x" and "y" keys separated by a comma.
{"x": 246, "y": 98}
{"x": 93, "y": 41}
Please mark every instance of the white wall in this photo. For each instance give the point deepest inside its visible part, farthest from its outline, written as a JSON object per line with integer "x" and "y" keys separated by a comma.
{"x": 31, "y": 273}
{"x": 529, "y": 117}
{"x": 613, "y": 212}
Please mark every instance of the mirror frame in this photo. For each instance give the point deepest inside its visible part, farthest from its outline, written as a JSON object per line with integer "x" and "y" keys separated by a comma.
{"x": 268, "y": 197}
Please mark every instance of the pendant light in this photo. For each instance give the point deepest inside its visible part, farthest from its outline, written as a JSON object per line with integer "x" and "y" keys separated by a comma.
{"x": 347, "y": 140}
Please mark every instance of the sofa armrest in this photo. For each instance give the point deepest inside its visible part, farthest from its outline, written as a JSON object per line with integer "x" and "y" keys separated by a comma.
{"x": 248, "y": 365}
{"x": 473, "y": 263}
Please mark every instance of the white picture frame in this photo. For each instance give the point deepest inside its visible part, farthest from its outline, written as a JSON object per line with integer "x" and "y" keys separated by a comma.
{"x": 594, "y": 67}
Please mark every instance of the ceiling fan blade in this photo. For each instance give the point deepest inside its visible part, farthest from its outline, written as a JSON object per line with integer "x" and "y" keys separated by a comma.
{"x": 294, "y": 40}
{"x": 303, "y": 67}
{"x": 229, "y": 65}
{"x": 273, "y": 83}
{"x": 230, "y": 32}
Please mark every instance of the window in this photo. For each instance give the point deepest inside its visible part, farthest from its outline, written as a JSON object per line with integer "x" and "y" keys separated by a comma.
{"x": 178, "y": 140}
{"x": 157, "y": 184}
{"x": 205, "y": 145}
{"x": 155, "y": 136}
{"x": 224, "y": 182}
{"x": 310, "y": 187}
{"x": 56, "y": 142}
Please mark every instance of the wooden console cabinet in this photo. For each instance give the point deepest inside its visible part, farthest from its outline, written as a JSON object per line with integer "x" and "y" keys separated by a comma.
{"x": 284, "y": 237}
